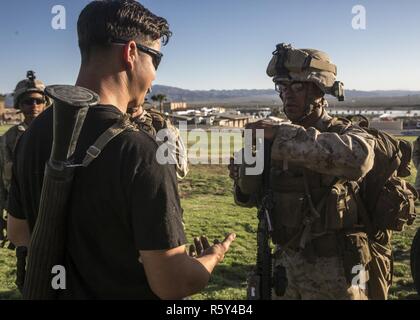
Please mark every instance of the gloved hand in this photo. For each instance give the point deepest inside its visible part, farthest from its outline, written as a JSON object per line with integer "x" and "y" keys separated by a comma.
{"x": 233, "y": 169}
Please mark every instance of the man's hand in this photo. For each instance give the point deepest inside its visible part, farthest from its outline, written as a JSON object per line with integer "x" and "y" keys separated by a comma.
{"x": 269, "y": 128}
{"x": 172, "y": 274}
{"x": 201, "y": 247}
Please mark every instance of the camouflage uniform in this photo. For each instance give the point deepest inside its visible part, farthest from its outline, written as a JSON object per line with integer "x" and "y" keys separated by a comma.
{"x": 315, "y": 271}
{"x": 7, "y": 146}
{"x": 9, "y": 141}
{"x": 152, "y": 121}
{"x": 322, "y": 280}
{"x": 3, "y": 197}
{"x": 318, "y": 234}
{"x": 416, "y": 160}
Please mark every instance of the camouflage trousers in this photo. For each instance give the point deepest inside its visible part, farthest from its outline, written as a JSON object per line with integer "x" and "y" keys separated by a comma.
{"x": 381, "y": 267}
{"x": 322, "y": 280}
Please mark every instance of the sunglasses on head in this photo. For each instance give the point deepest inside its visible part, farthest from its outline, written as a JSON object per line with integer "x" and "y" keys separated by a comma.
{"x": 32, "y": 101}
{"x": 295, "y": 86}
{"x": 154, "y": 54}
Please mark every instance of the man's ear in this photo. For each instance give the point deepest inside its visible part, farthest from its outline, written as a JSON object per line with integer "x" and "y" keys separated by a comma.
{"x": 130, "y": 54}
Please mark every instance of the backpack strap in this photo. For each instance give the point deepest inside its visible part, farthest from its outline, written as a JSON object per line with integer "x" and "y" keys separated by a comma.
{"x": 363, "y": 214}
{"x": 95, "y": 150}
{"x": 338, "y": 125}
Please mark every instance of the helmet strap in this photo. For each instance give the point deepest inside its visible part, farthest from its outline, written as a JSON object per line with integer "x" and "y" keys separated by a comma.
{"x": 310, "y": 108}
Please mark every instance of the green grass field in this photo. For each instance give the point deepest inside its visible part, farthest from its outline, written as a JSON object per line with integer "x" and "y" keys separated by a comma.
{"x": 3, "y": 129}
{"x": 209, "y": 210}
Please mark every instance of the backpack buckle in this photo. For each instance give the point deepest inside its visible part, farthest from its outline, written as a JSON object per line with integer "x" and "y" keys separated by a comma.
{"x": 93, "y": 152}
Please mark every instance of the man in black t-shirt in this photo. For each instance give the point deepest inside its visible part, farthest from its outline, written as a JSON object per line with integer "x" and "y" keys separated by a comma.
{"x": 125, "y": 238}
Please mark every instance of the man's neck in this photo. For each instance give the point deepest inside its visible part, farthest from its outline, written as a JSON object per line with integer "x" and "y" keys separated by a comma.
{"x": 311, "y": 119}
{"x": 106, "y": 87}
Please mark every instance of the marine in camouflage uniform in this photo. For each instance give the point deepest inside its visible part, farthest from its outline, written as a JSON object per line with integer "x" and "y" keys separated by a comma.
{"x": 315, "y": 162}
{"x": 415, "y": 246}
{"x": 29, "y": 98}
{"x": 153, "y": 121}
{"x": 416, "y": 161}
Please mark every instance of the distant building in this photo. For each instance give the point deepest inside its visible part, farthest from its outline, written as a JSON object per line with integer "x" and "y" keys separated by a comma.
{"x": 1, "y": 108}
{"x": 170, "y": 107}
{"x": 176, "y": 119}
{"x": 11, "y": 116}
{"x": 214, "y": 110}
{"x": 393, "y": 127}
{"x": 234, "y": 121}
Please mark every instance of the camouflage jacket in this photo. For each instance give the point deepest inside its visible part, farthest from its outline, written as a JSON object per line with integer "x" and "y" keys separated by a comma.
{"x": 348, "y": 154}
{"x": 8, "y": 144}
{"x": 152, "y": 121}
{"x": 416, "y": 152}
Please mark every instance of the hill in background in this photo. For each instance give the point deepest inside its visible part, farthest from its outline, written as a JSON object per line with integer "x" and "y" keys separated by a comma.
{"x": 354, "y": 98}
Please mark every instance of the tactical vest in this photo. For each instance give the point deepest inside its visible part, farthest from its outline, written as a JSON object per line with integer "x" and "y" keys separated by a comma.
{"x": 309, "y": 206}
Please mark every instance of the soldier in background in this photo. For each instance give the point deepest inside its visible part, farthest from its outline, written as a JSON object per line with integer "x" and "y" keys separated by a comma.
{"x": 152, "y": 121}
{"x": 416, "y": 160}
{"x": 30, "y": 100}
{"x": 315, "y": 162}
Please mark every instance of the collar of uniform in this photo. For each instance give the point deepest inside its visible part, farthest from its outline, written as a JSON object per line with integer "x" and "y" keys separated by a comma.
{"x": 323, "y": 121}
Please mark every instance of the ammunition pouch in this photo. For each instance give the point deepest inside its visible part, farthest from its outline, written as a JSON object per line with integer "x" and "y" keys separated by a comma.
{"x": 280, "y": 281}
{"x": 249, "y": 184}
{"x": 395, "y": 206}
{"x": 354, "y": 250}
{"x": 341, "y": 207}
{"x": 253, "y": 288}
{"x": 336, "y": 205}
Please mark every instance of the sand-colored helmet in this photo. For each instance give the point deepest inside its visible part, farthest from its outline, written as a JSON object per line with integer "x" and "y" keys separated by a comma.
{"x": 25, "y": 86}
{"x": 308, "y": 65}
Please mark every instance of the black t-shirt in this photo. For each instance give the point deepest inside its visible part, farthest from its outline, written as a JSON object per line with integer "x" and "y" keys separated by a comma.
{"x": 123, "y": 202}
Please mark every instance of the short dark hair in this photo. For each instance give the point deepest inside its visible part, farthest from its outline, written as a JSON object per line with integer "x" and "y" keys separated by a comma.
{"x": 103, "y": 21}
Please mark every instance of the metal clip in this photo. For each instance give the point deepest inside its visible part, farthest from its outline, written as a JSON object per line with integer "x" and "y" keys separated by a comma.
{"x": 93, "y": 152}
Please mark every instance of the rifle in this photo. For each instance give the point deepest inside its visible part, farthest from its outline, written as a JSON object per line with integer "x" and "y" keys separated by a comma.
{"x": 3, "y": 223}
{"x": 260, "y": 281}
{"x": 21, "y": 254}
{"x": 3, "y": 226}
{"x": 48, "y": 239}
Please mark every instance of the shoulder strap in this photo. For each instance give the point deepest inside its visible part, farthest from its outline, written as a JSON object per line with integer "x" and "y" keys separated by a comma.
{"x": 363, "y": 213}
{"x": 338, "y": 125}
{"x": 95, "y": 150}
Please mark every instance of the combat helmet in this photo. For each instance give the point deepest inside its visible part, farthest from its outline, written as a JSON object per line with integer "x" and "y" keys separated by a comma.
{"x": 31, "y": 84}
{"x": 309, "y": 65}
